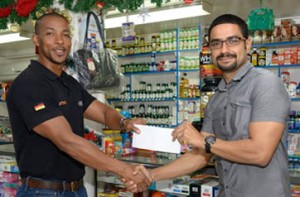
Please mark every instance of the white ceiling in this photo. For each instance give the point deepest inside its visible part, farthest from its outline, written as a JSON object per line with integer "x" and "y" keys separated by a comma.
{"x": 242, "y": 8}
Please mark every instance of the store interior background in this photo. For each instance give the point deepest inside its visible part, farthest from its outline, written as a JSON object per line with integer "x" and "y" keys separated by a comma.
{"x": 15, "y": 56}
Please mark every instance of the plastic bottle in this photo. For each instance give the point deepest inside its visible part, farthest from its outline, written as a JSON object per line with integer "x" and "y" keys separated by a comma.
{"x": 262, "y": 57}
{"x": 254, "y": 57}
{"x": 207, "y": 91}
{"x": 298, "y": 90}
{"x": 181, "y": 87}
{"x": 186, "y": 80}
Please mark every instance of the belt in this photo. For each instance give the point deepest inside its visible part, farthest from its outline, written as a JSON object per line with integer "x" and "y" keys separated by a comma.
{"x": 51, "y": 185}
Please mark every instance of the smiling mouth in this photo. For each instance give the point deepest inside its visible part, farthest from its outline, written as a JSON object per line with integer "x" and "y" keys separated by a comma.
{"x": 60, "y": 52}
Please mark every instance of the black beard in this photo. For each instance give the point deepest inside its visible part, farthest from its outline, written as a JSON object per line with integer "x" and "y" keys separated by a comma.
{"x": 232, "y": 67}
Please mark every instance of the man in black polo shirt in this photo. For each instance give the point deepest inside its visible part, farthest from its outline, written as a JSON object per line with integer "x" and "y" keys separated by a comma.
{"x": 46, "y": 108}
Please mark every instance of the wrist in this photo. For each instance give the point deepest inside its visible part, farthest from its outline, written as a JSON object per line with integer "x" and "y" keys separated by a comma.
{"x": 122, "y": 124}
{"x": 209, "y": 141}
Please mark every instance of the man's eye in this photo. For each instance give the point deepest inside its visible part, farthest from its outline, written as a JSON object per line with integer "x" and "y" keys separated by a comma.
{"x": 215, "y": 43}
{"x": 234, "y": 40}
{"x": 49, "y": 33}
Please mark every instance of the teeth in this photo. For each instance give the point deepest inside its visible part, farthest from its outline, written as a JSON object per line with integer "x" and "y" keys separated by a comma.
{"x": 60, "y": 52}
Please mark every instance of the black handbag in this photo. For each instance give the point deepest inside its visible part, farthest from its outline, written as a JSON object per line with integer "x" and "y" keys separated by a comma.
{"x": 97, "y": 69}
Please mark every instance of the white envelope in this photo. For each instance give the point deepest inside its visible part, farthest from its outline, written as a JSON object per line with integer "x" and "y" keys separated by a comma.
{"x": 156, "y": 139}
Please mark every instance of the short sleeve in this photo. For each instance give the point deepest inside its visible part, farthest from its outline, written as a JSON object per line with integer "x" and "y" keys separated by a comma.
{"x": 270, "y": 99}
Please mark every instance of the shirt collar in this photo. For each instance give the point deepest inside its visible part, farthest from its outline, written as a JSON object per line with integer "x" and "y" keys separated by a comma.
{"x": 238, "y": 77}
{"x": 37, "y": 66}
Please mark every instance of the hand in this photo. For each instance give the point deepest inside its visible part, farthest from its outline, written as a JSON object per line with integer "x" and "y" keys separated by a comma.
{"x": 129, "y": 124}
{"x": 139, "y": 180}
{"x": 186, "y": 133}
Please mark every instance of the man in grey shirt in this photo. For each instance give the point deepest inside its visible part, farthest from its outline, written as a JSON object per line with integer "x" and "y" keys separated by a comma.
{"x": 244, "y": 125}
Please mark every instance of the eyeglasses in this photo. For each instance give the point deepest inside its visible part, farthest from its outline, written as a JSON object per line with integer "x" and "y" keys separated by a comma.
{"x": 230, "y": 42}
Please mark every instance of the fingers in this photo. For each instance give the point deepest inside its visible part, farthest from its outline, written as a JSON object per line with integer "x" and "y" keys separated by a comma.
{"x": 137, "y": 179}
{"x": 185, "y": 133}
{"x": 140, "y": 170}
{"x": 130, "y": 124}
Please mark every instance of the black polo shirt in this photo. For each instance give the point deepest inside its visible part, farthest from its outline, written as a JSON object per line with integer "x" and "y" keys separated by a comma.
{"x": 35, "y": 96}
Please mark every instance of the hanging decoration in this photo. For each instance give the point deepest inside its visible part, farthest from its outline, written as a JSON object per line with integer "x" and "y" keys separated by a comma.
{"x": 187, "y": 1}
{"x": 19, "y": 11}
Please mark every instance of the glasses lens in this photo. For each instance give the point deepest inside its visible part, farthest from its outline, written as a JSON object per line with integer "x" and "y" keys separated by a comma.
{"x": 215, "y": 44}
{"x": 233, "y": 41}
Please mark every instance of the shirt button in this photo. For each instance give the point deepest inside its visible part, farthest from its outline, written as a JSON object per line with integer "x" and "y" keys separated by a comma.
{"x": 225, "y": 107}
{"x": 226, "y": 187}
{"x": 223, "y": 123}
{"x": 225, "y": 170}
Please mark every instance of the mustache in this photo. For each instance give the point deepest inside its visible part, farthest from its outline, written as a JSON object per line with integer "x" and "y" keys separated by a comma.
{"x": 226, "y": 55}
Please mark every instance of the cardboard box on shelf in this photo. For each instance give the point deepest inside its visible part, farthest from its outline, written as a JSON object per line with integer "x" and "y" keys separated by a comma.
{"x": 210, "y": 189}
{"x": 295, "y": 32}
{"x": 286, "y": 29}
{"x": 276, "y": 34}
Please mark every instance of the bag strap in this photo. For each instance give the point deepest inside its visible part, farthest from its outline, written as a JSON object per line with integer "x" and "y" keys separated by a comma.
{"x": 100, "y": 27}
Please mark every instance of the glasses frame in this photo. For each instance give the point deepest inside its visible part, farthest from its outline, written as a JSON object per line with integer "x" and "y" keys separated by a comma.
{"x": 227, "y": 41}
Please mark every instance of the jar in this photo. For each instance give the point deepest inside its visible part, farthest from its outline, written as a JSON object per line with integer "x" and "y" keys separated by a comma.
{"x": 207, "y": 91}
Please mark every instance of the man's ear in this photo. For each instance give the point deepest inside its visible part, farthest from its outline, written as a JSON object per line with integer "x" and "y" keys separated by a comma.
{"x": 248, "y": 45}
{"x": 35, "y": 39}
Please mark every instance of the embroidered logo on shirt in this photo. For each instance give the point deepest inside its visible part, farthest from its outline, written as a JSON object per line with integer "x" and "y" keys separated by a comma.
{"x": 80, "y": 103}
{"x": 61, "y": 103}
{"x": 39, "y": 107}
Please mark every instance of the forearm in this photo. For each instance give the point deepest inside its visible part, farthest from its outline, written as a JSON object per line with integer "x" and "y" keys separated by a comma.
{"x": 228, "y": 150}
{"x": 102, "y": 113}
{"x": 258, "y": 149}
{"x": 90, "y": 155}
{"x": 240, "y": 151}
{"x": 186, "y": 164}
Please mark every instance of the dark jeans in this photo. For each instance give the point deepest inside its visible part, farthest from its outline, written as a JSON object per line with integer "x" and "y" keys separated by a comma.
{"x": 24, "y": 191}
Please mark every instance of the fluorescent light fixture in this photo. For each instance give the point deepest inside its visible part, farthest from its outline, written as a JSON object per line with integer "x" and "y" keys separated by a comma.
{"x": 157, "y": 16}
{"x": 11, "y": 37}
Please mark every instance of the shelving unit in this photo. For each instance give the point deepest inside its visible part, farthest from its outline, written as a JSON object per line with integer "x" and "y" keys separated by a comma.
{"x": 169, "y": 76}
{"x": 294, "y": 68}
{"x": 175, "y": 74}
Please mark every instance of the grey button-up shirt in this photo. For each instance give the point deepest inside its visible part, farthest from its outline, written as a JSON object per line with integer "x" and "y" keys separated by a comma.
{"x": 253, "y": 95}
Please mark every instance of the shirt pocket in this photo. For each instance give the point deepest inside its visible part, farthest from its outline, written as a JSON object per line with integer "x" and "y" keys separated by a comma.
{"x": 239, "y": 115}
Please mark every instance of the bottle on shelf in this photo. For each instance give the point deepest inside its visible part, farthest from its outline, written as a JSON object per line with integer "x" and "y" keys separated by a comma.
{"x": 209, "y": 88}
{"x": 181, "y": 87}
{"x": 185, "y": 78}
{"x": 262, "y": 57}
{"x": 254, "y": 57}
{"x": 298, "y": 90}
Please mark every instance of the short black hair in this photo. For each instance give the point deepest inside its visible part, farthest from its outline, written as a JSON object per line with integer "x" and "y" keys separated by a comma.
{"x": 40, "y": 19}
{"x": 232, "y": 19}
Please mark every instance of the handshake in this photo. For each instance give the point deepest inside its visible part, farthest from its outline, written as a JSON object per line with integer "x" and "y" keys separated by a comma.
{"x": 137, "y": 178}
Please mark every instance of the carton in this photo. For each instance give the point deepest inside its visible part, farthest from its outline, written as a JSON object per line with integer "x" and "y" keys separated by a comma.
{"x": 295, "y": 31}
{"x": 275, "y": 37}
{"x": 286, "y": 29}
{"x": 210, "y": 189}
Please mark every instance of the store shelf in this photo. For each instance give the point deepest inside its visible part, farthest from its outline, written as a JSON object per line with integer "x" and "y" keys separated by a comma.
{"x": 188, "y": 50}
{"x": 150, "y": 161}
{"x": 276, "y": 44}
{"x": 295, "y": 99}
{"x": 295, "y": 180}
{"x": 147, "y": 54}
{"x": 141, "y": 100}
{"x": 7, "y": 149}
{"x": 280, "y": 66}
{"x": 149, "y": 72}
